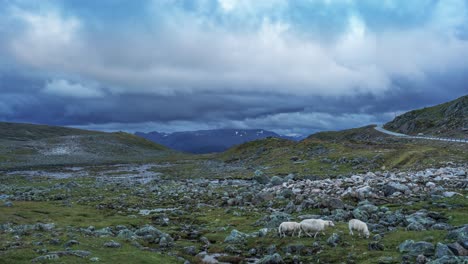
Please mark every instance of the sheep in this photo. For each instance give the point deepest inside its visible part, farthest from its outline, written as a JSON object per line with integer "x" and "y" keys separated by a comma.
{"x": 288, "y": 227}
{"x": 314, "y": 225}
{"x": 359, "y": 226}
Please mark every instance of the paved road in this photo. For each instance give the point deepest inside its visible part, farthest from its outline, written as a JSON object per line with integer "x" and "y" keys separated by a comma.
{"x": 381, "y": 129}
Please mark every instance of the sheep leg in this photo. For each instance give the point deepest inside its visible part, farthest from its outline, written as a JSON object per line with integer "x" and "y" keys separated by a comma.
{"x": 351, "y": 232}
{"x": 315, "y": 234}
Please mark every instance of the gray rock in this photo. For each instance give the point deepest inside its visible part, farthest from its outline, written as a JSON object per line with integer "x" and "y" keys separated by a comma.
{"x": 126, "y": 235}
{"x": 236, "y": 237}
{"x": 94, "y": 259}
{"x": 421, "y": 259}
{"x": 8, "y": 204}
{"x": 332, "y": 203}
{"x": 252, "y": 252}
{"x": 394, "y": 187}
{"x": 294, "y": 249}
{"x": 166, "y": 241}
{"x": 46, "y": 258}
{"x": 276, "y": 180}
{"x": 415, "y": 226}
{"x": 375, "y": 246}
{"x": 190, "y": 250}
{"x": 104, "y": 232}
{"x": 333, "y": 240}
{"x": 386, "y": 260}
{"x": 417, "y": 248}
{"x": 441, "y": 226}
{"x": 464, "y": 244}
{"x": 458, "y": 249}
{"x": 112, "y": 244}
{"x": 274, "y": 220}
{"x": 271, "y": 259}
{"x": 450, "y": 260}
{"x": 149, "y": 233}
{"x": 70, "y": 243}
{"x": 259, "y": 177}
{"x": 418, "y": 220}
{"x": 443, "y": 250}
{"x": 459, "y": 234}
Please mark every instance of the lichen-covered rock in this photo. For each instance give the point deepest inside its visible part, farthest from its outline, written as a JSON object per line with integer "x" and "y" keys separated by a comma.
{"x": 442, "y": 250}
{"x": 459, "y": 234}
{"x": 276, "y": 180}
{"x": 112, "y": 244}
{"x": 458, "y": 249}
{"x": 417, "y": 248}
{"x": 333, "y": 240}
{"x": 236, "y": 237}
{"x": 271, "y": 259}
{"x": 126, "y": 234}
{"x": 375, "y": 246}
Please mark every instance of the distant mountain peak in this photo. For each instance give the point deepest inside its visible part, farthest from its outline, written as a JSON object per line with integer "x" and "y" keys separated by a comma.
{"x": 206, "y": 141}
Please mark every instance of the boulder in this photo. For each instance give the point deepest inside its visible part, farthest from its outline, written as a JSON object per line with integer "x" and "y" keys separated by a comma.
{"x": 236, "y": 237}
{"x": 271, "y": 259}
{"x": 112, "y": 244}
{"x": 332, "y": 203}
{"x": 126, "y": 235}
{"x": 276, "y": 180}
{"x": 375, "y": 246}
{"x": 458, "y": 249}
{"x": 190, "y": 250}
{"x": 333, "y": 240}
{"x": 416, "y": 248}
{"x": 393, "y": 187}
{"x": 443, "y": 250}
{"x": 459, "y": 234}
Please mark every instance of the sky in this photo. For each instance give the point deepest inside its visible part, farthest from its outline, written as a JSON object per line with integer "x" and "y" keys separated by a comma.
{"x": 294, "y": 67}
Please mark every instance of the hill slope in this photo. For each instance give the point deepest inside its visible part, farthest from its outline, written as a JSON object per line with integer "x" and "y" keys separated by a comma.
{"x": 335, "y": 153}
{"x": 448, "y": 119}
{"x": 208, "y": 141}
{"x": 39, "y": 145}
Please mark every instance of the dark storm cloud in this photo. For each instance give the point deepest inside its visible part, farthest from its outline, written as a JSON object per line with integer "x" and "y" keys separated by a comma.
{"x": 181, "y": 65}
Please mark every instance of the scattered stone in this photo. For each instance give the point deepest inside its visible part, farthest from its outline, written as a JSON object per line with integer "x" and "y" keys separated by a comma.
{"x": 8, "y": 204}
{"x": 333, "y": 240}
{"x": 417, "y": 248}
{"x": 375, "y": 246}
{"x": 271, "y": 259}
{"x": 458, "y": 249}
{"x": 45, "y": 258}
{"x": 72, "y": 242}
{"x": 236, "y": 237}
{"x": 112, "y": 244}
{"x": 421, "y": 259}
{"x": 190, "y": 250}
{"x": 443, "y": 250}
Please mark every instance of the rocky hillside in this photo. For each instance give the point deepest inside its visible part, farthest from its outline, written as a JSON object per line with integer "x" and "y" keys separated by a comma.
{"x": 208, "y": 141}
{"x": 342, "y": 152}
{"x": 23, "y": 145}
{"x": 449, "y": 119}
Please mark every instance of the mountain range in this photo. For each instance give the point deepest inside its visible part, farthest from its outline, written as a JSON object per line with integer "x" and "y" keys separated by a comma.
{"x": 209, "y": 141}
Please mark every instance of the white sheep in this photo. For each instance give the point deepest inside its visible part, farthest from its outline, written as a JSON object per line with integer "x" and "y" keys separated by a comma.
{"x": 288, "y": 227}
{"x": 359, "y": 226}
{"x": 314, "y": 225}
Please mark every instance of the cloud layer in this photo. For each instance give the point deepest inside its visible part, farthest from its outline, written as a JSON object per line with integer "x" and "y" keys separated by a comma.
{"x": 291, "y": 66}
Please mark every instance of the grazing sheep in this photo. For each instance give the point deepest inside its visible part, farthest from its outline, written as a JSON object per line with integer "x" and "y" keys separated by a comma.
{"x": 359, "y": 226}
{"x": 314, "y": 225}
{"x": 288, "y": 227}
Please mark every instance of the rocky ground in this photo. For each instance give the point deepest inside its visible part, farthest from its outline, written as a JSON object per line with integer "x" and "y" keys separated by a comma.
{"x": 139, "y": 214}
